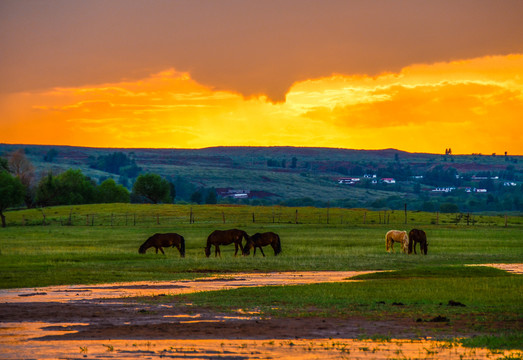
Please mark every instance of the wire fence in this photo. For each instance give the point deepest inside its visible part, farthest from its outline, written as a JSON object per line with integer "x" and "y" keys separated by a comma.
{"x": 261, "y": 215}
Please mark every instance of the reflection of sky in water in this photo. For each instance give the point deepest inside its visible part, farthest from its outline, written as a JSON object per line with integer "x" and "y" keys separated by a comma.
{"x": 20, "y": 340}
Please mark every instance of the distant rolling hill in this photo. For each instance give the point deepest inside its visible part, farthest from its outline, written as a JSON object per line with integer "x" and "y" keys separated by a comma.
{"x": 276, "y": 174}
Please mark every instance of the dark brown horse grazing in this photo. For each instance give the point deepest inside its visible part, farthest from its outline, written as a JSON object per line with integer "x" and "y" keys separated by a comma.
{"x": 225, "y": 237}
{"x": 418, "y": 236}
{"x": 258, "y": 240}
{"x": 164, "y": 240}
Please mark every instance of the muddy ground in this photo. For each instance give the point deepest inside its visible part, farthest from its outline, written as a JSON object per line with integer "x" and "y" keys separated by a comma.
{"x": 94, "y": 315}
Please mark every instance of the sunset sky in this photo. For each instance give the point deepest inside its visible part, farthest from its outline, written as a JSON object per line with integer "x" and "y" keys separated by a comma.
{"x": 419, "y": 76}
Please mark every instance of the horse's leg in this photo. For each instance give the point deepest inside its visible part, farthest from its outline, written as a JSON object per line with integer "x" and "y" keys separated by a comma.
{"x": 262, "y": 251}
{"x": 414, "y": 245}
{"x": 217, "y": 251}
{"x": 156, "y": 250}
{"x": 236, "y": 249}
{"x": 161, "y": 250}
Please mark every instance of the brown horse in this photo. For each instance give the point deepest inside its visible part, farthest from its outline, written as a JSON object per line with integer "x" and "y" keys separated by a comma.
{"x": 164, "y": 240}
{"x": 393, "y": 236}
{"x": 225, "y": 237}
{"x": 418, "y": 236}
{"x": 258, "y": 240}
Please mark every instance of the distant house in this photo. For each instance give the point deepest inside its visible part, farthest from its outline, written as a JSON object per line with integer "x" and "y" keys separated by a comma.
{"x": 349, "y": 180}
{"x": 233, "y": 193}
{"x": 388, "y": 180}
{"x": 444, "y": 189}
{"x": 369, "y": 176}
{"x": 509, "y": 183}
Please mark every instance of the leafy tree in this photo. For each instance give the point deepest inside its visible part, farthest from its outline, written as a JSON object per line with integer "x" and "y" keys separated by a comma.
{"x": 47, "y": 191}
{"x": 4, "y": 165}
{"x": 211, "y": 197}
{"x": 75, "y": 188}
{"x": 448, "y": 208}
{"x": 116, "y": 163}
{"x": 50, "y": 155}
{"x": 110, "y": 192}
{"x": 11, "y": 193}
{"x": 196, "y": 197}
{"x": 153, "y": 187}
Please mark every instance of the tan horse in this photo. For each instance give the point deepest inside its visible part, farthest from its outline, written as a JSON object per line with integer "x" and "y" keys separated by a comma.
{"x": 397, "y": 236}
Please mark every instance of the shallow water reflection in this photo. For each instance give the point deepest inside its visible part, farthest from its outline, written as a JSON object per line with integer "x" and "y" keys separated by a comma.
{"x": 23, "y": 346}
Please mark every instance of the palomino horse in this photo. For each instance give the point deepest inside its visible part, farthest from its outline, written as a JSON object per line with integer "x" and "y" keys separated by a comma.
{"x": 418, "y": 236}
{"x": 225, "y": 237}
{"x": 164, "y": 240}
{"x": 258, "y": 240}
{"x": 397, "y": 236}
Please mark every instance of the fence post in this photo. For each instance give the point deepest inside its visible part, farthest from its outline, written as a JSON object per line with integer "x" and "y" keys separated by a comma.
{"x": 364, "y": 217}
{"x": 223, "y": 217}
{"x": 296, "y": 217}
{"x": 253, "y": 220}
{"x": 43, "y": 214}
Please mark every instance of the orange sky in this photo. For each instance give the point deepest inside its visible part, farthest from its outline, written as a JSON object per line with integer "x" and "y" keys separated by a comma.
{"x": 470, "y": 100}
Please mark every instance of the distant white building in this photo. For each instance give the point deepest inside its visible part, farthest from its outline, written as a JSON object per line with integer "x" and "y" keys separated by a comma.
{"x": 388, "y": 180}
{"x": 348, "y": 180}
{"x": 444, "y": 189}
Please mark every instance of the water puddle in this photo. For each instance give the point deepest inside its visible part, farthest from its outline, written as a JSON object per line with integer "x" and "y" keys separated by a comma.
{"x": 31, "y": 340}
{"x": 24, "y": 348}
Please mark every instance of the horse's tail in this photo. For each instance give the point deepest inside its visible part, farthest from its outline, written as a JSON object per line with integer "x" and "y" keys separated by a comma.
{"x": 411, "y": 242}
{"x": 387, "y": 243}
{"x": 182, "y": 246}
{"x": 277, "y": 250}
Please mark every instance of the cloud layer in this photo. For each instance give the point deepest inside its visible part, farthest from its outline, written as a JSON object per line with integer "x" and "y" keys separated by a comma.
{"x": 472, "y": 105}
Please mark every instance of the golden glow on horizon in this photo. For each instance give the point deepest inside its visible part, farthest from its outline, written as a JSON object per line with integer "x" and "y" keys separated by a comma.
{"x": 471, "y": 106}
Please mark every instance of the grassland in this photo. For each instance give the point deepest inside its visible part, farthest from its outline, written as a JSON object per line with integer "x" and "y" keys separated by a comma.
{"x": 74, "y": 249}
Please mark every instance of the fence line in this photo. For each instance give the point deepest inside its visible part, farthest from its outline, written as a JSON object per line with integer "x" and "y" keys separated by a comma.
{"x": 268, "y": 216}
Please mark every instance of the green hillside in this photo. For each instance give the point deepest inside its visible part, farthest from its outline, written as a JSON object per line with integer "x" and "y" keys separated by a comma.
{"x": 308, "y": 176}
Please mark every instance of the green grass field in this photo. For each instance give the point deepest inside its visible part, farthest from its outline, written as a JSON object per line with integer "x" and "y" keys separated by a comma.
{"x": 87, "y": 252}
{"x": 91, "y": 252}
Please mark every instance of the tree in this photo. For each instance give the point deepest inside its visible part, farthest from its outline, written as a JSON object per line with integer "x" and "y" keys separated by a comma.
{"x": 153, "y": 187}
{"x": 11, "y": 193}
{"x": 47, "y": 191}
{"x": 4, "y": 164}
{"x": 211, "y": 197}
{"x": 110, "y": 192}
{"x": 51, "y": 154}
{"x": 21, "y": 167}
{"x": 196, "y": 197}
{"x": 75, "y": 188}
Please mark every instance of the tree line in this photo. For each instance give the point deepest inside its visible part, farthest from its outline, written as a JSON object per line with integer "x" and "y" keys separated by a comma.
{"x": 72, "y": 187}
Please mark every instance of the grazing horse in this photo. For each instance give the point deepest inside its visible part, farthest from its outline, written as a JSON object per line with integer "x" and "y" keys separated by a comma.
{"x": 164, "y": 240}
{"x": 258, "y": 240}
{"x": 225, "y": 237}
{"x": 418, "y": 236}
{"x": 397, "y": 236}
